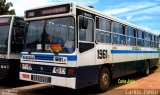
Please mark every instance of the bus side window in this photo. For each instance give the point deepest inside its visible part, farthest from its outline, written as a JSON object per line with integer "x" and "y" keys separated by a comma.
{"x": 131, "y": 36}
{"x": 17, "y": 37}
{"x": 86, "y": 34}
{"x": 86, "y": 31}
{"x": 103, "y": 30}
{"x": 156, "y": 42}
{"x": 140, "y": 38}
{"x": 118, "y": 33}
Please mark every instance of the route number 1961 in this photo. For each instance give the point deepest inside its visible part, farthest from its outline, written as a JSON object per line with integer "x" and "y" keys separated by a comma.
{"x": 102, "y": 53}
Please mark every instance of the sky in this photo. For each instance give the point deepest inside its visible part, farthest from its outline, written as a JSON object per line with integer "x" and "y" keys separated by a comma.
{"x": 143, "y": 13}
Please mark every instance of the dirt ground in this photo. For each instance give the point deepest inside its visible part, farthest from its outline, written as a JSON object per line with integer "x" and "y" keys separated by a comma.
{"x": 138, "y": 85}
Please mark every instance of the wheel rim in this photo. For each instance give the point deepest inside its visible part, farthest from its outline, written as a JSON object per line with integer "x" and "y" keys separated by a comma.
{"x": 104, "y": 81}
{"x": 147, "y": 70}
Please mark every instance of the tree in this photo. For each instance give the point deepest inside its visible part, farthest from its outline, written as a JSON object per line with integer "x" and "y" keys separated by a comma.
{"x": 5, "y": 8}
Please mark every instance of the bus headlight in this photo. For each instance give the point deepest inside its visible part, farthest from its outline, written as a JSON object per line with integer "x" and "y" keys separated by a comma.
{"x": 2, "y": 57}
{"x": 59, "y": 70}
{"x": 4, "y": 66}
{"x": 26, "y": 66}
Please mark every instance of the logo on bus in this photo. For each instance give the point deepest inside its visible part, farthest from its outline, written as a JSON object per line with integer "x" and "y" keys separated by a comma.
{"x": 60, "y": 59}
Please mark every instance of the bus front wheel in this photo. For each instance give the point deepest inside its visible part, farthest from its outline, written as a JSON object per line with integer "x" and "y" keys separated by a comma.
{"x": 103, "y": 80}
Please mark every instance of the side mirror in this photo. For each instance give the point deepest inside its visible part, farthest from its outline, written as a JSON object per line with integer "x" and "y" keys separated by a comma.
{"x": 19, "y": 23}
{"x": 18, "y": 35}
{"x": 83, "y": 22}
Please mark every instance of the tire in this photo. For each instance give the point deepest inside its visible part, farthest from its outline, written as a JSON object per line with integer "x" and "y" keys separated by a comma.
{"x": 103, "y": 80}
{"x": 147, "y": 69}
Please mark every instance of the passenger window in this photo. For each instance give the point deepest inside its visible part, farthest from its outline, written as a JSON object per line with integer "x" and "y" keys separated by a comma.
{"x": 103, "y": 24}
{"x": 86, "y": 34}
{"x": 140, "y": 35}
{"x": 131, "y": 41}
{"x": 140, "y": 40}
{"x": 156, "y": 42}
{"x": 119, "y": 39}
{"x": 131, "y": 36}
{"x": 103, "y": 37}
{"x": 103, "y": 32}
{"x": 118, "y": 28}
{"x": 118, "y": 34}
{"x": 147, "y": 39}
{"x": 130, "y": 31}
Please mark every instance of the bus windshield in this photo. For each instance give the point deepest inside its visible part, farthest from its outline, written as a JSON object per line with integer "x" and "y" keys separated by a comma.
{"x": 52, "y": 35}
{"x": 4, "y": 31}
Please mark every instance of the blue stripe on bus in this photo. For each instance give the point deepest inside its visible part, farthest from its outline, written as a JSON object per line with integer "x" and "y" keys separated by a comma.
{"x": 50, "y": 57}
{"x": 131, "y": 51}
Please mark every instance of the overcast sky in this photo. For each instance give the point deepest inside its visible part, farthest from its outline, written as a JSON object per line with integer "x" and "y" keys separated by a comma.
{"x": 144, "y": 13}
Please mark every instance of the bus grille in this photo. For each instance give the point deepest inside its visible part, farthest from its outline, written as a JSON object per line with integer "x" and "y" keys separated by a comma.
{"x": 40, "y": 68}
{"x": 43, "y": 79}
{"x": 3, "y": 61}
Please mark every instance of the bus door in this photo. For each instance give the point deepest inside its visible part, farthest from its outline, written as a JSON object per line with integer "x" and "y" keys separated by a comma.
{"x": 86, "y": 43}
{"x": 87, "y": 70}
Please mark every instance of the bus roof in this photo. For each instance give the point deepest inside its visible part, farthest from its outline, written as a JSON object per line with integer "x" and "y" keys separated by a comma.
{"x": 10, "y": 16}
{"x": 96, "y": 12}
{"x": 92, "y": 10}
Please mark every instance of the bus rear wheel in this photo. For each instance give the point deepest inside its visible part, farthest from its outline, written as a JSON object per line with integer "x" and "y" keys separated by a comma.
{"x": 147, "y": 69}
{"x": 103, "y": 80}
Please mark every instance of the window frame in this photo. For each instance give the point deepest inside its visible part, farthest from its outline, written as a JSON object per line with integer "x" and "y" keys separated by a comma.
{"x": 92, "y": 31}
{"x": 119, "y": 34}
{"x": 147, "y": 39}
{"x": 103, "y": 31}
{"x": 106, "y": 20}
{"x": 129, "y": 36}
{"x": 143, "y": 38}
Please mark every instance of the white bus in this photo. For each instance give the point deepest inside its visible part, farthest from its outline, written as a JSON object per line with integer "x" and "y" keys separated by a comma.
{"x": 11, "y": 45}
{"x": 74, "y": 46}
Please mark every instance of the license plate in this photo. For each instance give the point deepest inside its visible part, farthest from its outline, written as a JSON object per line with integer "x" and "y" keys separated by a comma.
{"x": 39, "y": 78}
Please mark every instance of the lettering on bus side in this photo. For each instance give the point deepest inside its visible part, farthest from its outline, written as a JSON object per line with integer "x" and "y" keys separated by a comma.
{"x": 102, "y": 54}
{"x": 136, "y": 48}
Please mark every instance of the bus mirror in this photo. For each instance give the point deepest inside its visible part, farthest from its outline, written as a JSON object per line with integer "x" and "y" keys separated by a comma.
{"x": 19, "y": 23}
{"x": 83, "y": 22}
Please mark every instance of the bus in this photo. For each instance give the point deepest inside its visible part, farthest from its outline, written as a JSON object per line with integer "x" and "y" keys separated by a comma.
{"x": 11, "y": 45}
{"x": 71, "y": 45}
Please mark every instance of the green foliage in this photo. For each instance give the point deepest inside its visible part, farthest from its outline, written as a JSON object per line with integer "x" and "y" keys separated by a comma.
{"x": 5, "y": 8}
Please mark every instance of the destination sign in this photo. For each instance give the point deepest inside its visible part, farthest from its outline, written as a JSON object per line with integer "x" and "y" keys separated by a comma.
{"x": 47, "y": 11}
{"x": 4, "y": 20}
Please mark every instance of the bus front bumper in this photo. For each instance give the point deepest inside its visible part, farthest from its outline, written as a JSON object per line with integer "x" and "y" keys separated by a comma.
{"x": 53, "y": 80}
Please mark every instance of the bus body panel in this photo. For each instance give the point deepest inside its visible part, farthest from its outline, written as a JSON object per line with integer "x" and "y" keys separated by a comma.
{"x": 131, "y": 56}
